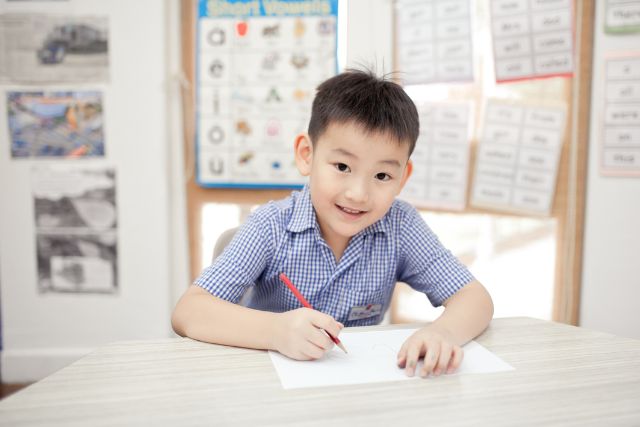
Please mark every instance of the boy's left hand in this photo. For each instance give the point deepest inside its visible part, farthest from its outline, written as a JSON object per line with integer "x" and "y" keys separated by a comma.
{"x": 438, "y": 348}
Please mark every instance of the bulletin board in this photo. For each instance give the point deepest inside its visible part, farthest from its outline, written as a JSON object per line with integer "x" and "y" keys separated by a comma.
{"x": 564, "y": 178}
{"x": 257, "y": 66}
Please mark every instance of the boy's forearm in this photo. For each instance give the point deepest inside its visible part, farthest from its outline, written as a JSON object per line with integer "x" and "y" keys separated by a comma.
{"x": 203, "y": 317}
{"x": 467, "y": 313}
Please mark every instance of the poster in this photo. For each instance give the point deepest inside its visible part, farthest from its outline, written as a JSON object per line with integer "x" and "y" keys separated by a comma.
{"x": 441, "y": 157}
{"x": 622, "y": 16}
{"x": 55, "y": 124}
{"x": 620, "y": 153}
{"x": 40, "y": 48}
{"x": 532, "y": 38}
{"x": 434, "y": 41}
{"x": 518, "y": 156}
{"x": 258, "y": 65}
{"x": 76, "y": 229}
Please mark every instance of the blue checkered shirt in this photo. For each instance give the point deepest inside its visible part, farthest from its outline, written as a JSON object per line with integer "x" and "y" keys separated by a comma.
{"x": 284, "y": 236}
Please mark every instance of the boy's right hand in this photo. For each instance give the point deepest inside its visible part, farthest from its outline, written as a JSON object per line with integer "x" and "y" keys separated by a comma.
{"x": 298, "y": 333}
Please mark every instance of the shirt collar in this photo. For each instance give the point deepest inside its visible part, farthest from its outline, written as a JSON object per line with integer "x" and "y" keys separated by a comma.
{"x": 380, "y": 226}
{"x": 304, "y": 216}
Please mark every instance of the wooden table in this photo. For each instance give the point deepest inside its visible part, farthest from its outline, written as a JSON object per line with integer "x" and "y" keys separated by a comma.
{"x": 563, "y": 376}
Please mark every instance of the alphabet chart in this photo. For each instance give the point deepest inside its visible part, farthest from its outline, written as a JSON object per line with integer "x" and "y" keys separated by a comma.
{"x": 532, "y": 38}
{"x": 434, "y": 41}
{"x": 258, "y": 65}
{"x": 518, "y": 156}
{"x": 621, "y": 127}
{"x": 441, "y": 157}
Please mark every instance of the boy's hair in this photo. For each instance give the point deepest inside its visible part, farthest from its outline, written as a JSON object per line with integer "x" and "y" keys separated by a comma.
{"x": 375, "y": 103}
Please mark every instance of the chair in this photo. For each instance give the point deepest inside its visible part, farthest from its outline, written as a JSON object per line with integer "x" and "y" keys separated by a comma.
{"x": 223, "y": 240}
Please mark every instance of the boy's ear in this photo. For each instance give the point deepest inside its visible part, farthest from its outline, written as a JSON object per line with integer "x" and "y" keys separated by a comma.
{"x": 303, "y": 151}
{"x": 408, "y": 170}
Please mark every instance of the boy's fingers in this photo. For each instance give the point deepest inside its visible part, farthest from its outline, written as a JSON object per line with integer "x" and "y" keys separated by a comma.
{"x": 326, "y": 322}
{"x": 430, "y": 359}
{"x": 413, "y": 354}
{"x": 454, "y": 363}
{"x": 312, "y": 351}
{"x": 402, "y": 355}
{"x": 443, "y": 361}
{"x": 320, "y": 339}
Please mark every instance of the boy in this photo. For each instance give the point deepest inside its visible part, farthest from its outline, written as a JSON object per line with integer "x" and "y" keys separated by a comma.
{"x": 343, "y": 240}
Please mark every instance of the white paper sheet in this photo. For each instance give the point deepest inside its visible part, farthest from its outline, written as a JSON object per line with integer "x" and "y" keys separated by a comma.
{"x": 371, "y": 358}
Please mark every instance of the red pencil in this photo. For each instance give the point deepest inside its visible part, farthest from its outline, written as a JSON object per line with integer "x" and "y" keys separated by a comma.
{"x": 304, "y": 302}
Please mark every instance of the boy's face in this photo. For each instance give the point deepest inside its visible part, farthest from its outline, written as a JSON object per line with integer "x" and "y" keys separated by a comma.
{"x": 354, "y": 177}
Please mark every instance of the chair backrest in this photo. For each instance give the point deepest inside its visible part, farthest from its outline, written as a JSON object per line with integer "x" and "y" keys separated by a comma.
{"x": 223, "y": 241}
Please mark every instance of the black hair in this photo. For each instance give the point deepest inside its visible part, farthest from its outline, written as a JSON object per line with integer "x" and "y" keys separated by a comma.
{"x": 375, "y": 103}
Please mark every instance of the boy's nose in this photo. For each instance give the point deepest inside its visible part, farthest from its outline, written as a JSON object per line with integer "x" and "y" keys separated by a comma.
{"x": 357, "y": 192}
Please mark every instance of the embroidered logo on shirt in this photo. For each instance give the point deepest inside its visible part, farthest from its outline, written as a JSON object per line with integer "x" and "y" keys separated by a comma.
{"x": 365, "y": 311}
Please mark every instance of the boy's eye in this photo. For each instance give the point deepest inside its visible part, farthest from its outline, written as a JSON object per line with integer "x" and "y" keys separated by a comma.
{"x": 383, "y": 176}
{"x": 342, "y": 167}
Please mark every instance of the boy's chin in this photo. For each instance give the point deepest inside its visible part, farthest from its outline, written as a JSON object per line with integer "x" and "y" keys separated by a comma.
{"x": 352, "y": 230}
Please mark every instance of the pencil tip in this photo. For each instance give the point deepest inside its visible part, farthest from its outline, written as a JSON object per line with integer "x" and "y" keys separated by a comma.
{"x": 342, "y": 348}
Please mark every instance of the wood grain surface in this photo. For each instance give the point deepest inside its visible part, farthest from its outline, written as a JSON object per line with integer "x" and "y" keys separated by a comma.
{"x": 563, "y": 375}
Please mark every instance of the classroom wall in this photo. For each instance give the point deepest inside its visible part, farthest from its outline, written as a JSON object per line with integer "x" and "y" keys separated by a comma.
{"x": 44, "y": 332}
{"x": 611, "y": 271}
{"x": 370, "y": 35}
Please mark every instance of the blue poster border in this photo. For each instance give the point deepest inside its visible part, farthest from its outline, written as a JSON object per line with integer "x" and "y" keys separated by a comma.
{"x": 245, "y": 9}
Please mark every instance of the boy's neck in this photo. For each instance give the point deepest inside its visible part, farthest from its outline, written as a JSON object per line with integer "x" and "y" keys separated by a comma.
{"x": 337, "y": 244}
{"x": 338, "y": 249}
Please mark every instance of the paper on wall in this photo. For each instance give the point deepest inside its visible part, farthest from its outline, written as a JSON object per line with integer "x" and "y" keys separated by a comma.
{"x": 518, "y": 156}
{"x": 434, "y": 41}
{"x": 532, "y": 38}
{"x": 441, "y": 157}
{"x": 620, "y": 153}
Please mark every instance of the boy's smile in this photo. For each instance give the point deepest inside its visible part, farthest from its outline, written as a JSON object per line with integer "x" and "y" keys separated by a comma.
{"x": 355, "y": 176}
{"x": 351, "y": 213}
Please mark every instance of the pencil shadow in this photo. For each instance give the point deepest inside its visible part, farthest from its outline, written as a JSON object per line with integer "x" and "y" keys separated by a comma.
{"x": 334, "y": 355}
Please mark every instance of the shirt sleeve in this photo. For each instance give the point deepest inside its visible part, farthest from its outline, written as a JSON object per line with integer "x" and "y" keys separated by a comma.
{"x": 243, "y": 260}
{"x": 426, "y": 265}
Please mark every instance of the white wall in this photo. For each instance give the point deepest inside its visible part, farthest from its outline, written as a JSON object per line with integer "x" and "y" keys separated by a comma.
{"x": 370, "y": 35}
{"x": 611, "y": 263}
{"x": 43, "y": 332}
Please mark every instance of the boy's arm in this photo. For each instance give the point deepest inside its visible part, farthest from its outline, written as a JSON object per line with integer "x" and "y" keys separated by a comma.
{"x": 203, "y": 317}
{"x": 297, "y": 333}
{"x": 467, "y": 313}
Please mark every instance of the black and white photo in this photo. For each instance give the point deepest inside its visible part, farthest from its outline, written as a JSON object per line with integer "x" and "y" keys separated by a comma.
{"x": 76, "y": 229}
